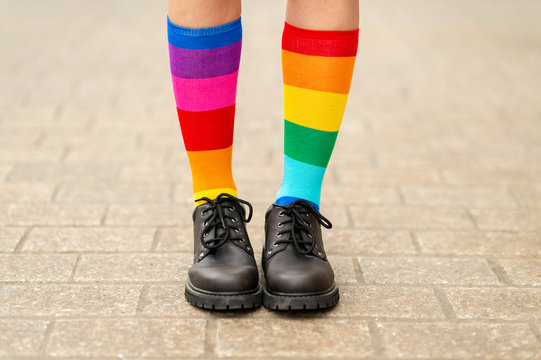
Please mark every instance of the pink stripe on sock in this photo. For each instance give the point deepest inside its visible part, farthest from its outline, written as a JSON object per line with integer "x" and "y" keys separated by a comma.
{"x": 205, "y": 94}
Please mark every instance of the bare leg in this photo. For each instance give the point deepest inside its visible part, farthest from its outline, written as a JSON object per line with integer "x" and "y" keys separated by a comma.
{"x": 323, "y": 14}
{"x": 203, "y": 13}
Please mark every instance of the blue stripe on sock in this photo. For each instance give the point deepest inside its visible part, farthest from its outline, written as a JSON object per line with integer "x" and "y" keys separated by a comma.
{"x": 286, "y": 200}
{"x": 300, "y": 181}
{"x": 204, "y": 38}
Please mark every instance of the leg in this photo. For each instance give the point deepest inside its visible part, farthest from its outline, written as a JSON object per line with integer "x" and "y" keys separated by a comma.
{"x": 319, "y": 46}
{"x": 338, "y": 15}
{"x": 203, "y": 13}
{"x": 205, "y": 38}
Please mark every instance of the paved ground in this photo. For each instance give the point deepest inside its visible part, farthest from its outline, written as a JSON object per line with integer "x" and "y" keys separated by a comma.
{"x": 434, "y": 188}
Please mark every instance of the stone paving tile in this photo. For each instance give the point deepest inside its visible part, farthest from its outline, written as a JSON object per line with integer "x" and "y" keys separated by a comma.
{"x": 4, "y": 170}
{"x": 417, "y": 270}
{"x": 9, "y": 237}
{"x": 20, "y": 193}
{"x": 344, "y": 269}
{"x": 528, "y": 195}
{"x": 458, "y": 340}
{"x": 53, "y": 214}
{"x": 410, "y": 218}
{"x": 68, "y": 300}
{"x": 168, "y": 300}
{"x": 133, "y": 267}
{"x": 495, "y": 303}
{"x": 458, "y": 196}
{"x": 33, "y": 267}
{"x": 155, "y": 174}
{"x": 523, "y": 271}
{"x": 479, "y": 243}
{"x": 175, "y": 240}
{"x": 118, "y": 193}
{"x": 21, "y": 337}
{"x": 388, "y": 176}
{"x": 360, "y": 195}
{"x": 30, "y": 155}
{"x": 91, "y": 239}
{"x": 372, "y": 242}
{"x": 114, "y": 155}
{"x": 507, "y": 220}
{"x": 182, "y": 193}
{"x": 293, "y": 338}
{"x": 54, "y": 172}
{"x": 387, "y": 302}
{"x": 132, "y": 338}
{"x": 149, "y": 214}
{"x": 490, "y": 177}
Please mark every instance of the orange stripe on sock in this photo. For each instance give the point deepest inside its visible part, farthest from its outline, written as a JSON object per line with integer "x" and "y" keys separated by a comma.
{"x": 331, "y": 74}
{"x": 211, "y": 169}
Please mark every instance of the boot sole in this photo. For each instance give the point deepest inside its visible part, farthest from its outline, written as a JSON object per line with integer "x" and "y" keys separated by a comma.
{"x": 222, "y": 301}
{"x": 286, "y": 302}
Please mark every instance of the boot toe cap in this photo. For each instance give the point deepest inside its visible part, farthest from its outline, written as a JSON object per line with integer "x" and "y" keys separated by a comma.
{"x": 315, "y": 277}
{"x": 227, "y": 279}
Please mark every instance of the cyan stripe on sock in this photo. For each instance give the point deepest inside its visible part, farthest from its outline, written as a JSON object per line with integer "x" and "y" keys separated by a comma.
{"x": 204, "y": 38}
{"x": 300, "y": 181}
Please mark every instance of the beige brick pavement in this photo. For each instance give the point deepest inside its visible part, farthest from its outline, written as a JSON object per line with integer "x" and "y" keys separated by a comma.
{"x": 434, "y": 187}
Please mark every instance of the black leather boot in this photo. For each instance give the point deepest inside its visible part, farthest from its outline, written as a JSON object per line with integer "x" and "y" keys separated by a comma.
{"x": 224, "y": 274}
{"x": 297, "y": 273}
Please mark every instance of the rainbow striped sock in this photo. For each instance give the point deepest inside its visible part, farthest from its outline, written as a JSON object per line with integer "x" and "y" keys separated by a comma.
{"x": 317, "y": 68}
{"x": 204, "y": 67}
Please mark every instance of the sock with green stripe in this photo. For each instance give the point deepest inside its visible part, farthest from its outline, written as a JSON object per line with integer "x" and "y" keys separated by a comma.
{"x": 317, "y": 69}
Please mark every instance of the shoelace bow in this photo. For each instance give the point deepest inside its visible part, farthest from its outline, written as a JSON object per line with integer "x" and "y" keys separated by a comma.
{"x": 296, "y": 213}
{"x": 217, "y": 222}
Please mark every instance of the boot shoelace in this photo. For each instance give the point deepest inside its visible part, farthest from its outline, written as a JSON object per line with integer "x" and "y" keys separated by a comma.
{"x": 218, "y": 221}
{"x": 296, "y": 214}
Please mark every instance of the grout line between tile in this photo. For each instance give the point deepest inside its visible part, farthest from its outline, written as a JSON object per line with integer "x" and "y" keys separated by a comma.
{"x": 445, "y": 304}
{"x": 47, "y": 337}
{"x": 499, "y": 271}
{"x": 22, "y": 240}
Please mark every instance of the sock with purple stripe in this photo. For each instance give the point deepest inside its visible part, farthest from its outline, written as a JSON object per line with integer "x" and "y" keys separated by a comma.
{"x": 204, "y": 69}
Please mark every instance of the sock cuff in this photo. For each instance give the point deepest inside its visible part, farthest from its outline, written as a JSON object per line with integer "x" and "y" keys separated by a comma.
{"x": 322, "y": 34}
{"x": 320, "y": 42}
{"x": 208, "y": 31}
{"x": 204, "y": 38}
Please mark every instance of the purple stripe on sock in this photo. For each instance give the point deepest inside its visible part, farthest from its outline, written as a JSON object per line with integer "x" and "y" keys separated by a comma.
{"x": 204, "y": 63}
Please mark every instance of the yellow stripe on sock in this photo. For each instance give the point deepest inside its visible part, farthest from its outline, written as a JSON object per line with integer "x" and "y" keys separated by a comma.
{"x": 212, "y": 194}
{"x": 314, "y": 109}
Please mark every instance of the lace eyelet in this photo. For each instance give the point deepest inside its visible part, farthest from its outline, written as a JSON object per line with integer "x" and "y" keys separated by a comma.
{"x": 319, "y": 253}
{"x": 269, "y": 252}
{"x": 280, "y": 224}
{"x": 205, "y": 223}
{"x": 310, "y": 236}
{"x": 231, "y": 208}
{"x": 279, "y": 235}
{"x": 203, "y": 212}
{"x": 274, "y": 245}
{"x": 281, "y": 214}
{"x": 205, "y": 235}
{"x": 234, "y": 220}
{"x": 237, "y": 231}
{"x": 201, "y": 255}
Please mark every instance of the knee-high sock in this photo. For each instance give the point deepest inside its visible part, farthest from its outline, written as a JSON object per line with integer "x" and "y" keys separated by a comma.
{"x": 204, "y": 68}
{"x": 317, "y": 69}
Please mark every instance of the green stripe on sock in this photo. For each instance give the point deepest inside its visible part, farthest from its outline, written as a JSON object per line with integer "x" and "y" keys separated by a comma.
{"x": 308, "y": 145}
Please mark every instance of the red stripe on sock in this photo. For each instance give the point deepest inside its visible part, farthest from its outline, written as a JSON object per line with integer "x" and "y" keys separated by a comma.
{"x": 207, "y": 130}
{"x": 320, "y": 43}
